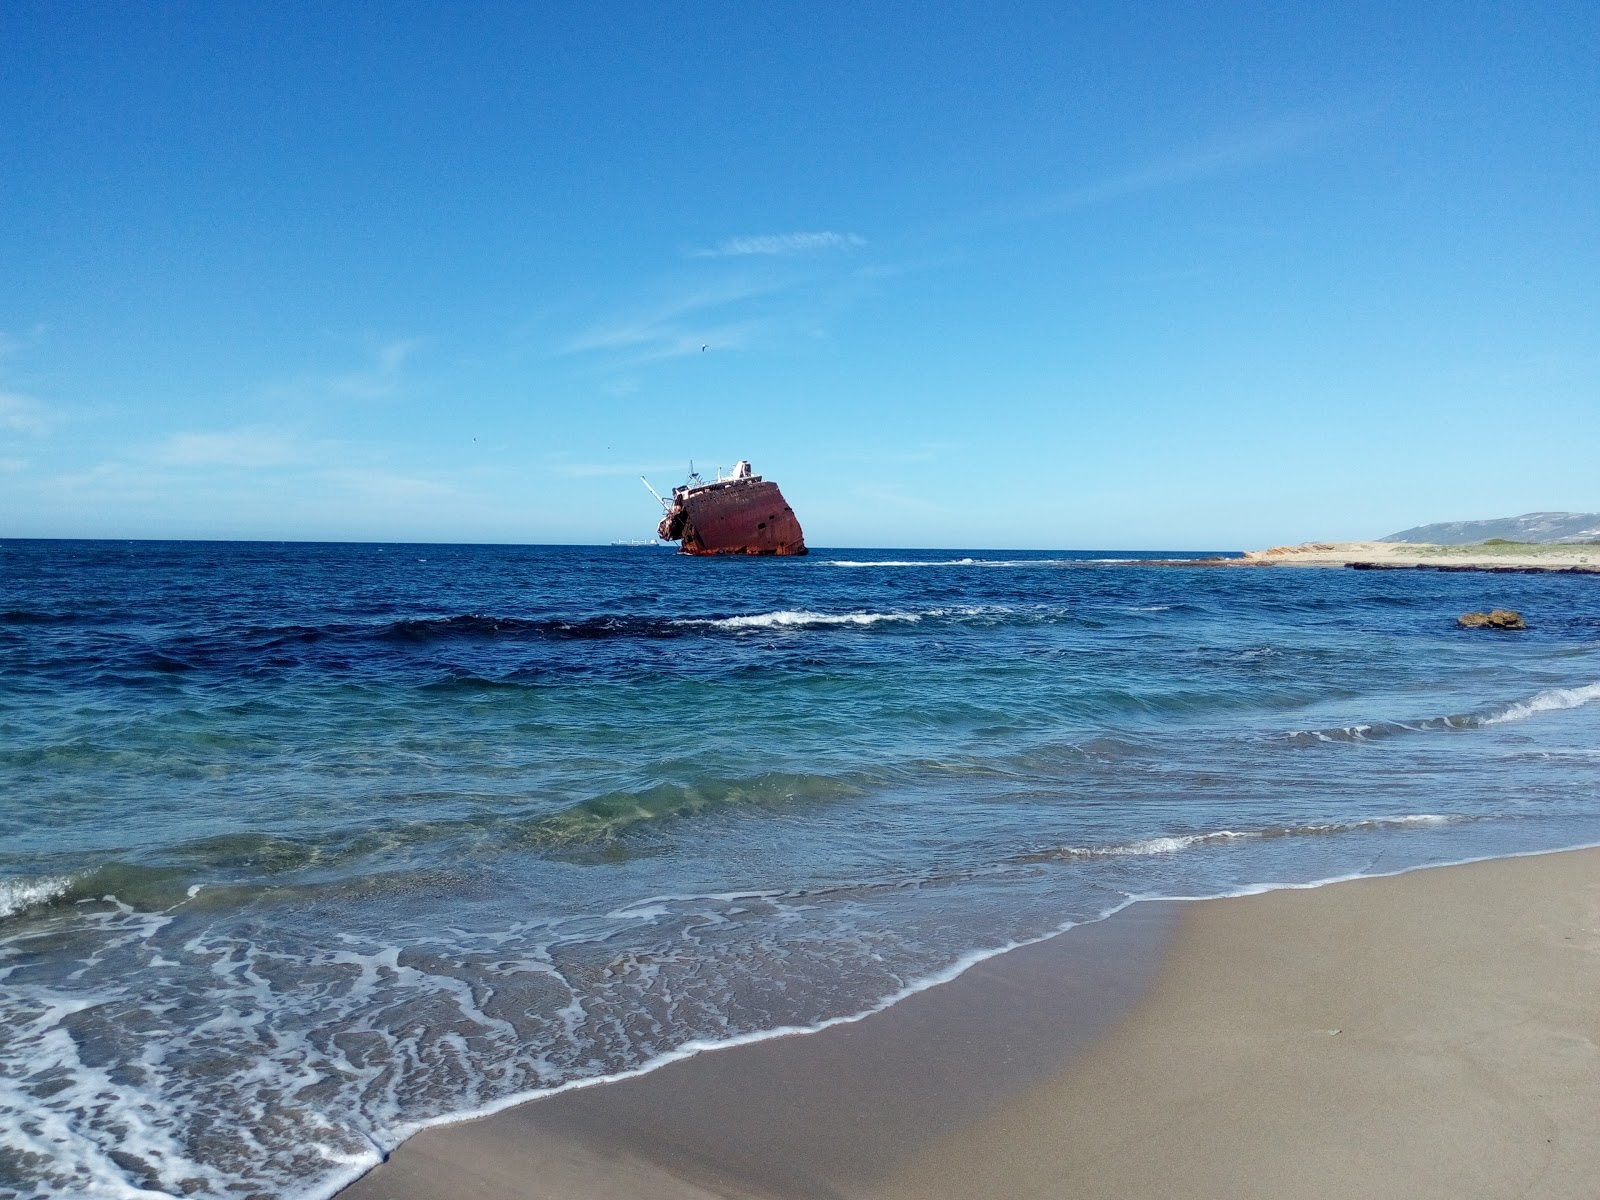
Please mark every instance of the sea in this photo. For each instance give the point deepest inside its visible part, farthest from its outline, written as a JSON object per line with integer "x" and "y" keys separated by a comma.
{"x": 305, "y": 847}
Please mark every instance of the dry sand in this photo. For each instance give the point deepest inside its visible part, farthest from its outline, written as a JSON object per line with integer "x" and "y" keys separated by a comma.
{"x": 1509, "y": 555}
{"x": 1428, "y": 1035}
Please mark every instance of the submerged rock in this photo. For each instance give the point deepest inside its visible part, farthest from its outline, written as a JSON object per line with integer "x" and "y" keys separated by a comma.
{"x": 1500, "y": 618}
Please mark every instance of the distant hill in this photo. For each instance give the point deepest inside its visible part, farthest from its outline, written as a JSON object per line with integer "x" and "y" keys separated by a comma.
{"x": 1552, "y": 528}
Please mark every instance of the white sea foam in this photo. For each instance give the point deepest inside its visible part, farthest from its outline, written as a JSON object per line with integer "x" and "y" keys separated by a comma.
{"x": 799, "y": 618}
{"x": 804, "y": 619}
{"x": 18, "y": 894}
{"x": 1159, "y": 845}
{"x": 1548, "y": 701}
{"x": 968, "y": 562}
{"x": 1552, "y": 700}
{"x": 1179, "y": 842}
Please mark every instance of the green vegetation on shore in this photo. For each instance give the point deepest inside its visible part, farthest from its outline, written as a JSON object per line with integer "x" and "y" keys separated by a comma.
{"x": 1500, "y": 546}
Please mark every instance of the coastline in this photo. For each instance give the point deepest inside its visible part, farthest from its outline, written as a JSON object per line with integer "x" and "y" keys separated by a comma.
{"x": 797, "y": 1114}
{"x": 1125, "y": 1059}
{"x": 1431, "y": 1034}
{"x": 1511, "y": 557}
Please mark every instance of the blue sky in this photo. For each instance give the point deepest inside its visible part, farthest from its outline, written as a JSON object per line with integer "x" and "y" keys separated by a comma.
{"x": 1001, "y": 275}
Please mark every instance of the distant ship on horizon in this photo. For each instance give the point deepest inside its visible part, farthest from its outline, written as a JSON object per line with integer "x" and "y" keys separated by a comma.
{"x": 741, "y": 513}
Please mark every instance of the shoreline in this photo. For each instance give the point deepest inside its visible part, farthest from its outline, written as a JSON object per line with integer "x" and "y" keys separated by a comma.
{"x": 1512, "y": 558}
{"x": 1430, "y": 1034}
{"x": 686, "y": 1128}
{"x": 933, "y": 1068}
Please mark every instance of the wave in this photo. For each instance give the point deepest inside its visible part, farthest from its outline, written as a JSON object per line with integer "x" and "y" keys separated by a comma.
{"x": 24, "y": 617}
{"x": 263, "y": 648}
{"x": 1175, "y": 843}
{"x": 967, "y": 562}
{"x": 603, "y": 819}
{"x": 478, "y": 625}
{"x": 801, "y": 619}
{"x": 474, "y": 625}
{"x": 1551, "y": 700}
{"x": 16, "y": 895}
{"x": 240, "y": 864}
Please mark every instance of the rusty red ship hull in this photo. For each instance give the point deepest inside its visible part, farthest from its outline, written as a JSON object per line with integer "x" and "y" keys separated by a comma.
{"x": 742, "y": 515}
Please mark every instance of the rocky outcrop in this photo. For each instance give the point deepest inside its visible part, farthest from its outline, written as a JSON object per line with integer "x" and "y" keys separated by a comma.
{"x": 1500, "y": 618}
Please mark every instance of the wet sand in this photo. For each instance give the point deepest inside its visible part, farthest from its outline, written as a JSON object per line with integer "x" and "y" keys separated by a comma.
{"x": 1435, "y": 1034}
{"x": 817, "y": 1114}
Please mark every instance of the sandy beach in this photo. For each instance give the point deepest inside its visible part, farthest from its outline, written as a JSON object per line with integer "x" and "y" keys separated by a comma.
{"x": 1434, "y": 1034}
{"x": 1489, "y": 556}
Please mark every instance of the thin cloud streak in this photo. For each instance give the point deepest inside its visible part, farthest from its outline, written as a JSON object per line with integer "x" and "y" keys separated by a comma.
{"x": 779, "y": 243}
{"x": 382, "y": 378}
{"x": 24, "y": 414}
{"x": 665, "y": 322}
{"x": 1216, "y": 157}
{"x": 251, "y": 447}
{"x": 391, "y": 486}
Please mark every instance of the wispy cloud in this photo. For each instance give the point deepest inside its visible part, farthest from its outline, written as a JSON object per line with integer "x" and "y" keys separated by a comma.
{"x": 24, "y": 414}
{"x": 381, "y": 373}
{"x": 779, "y": 243}
{"x": 11, "y": 343}
{"x": 892, "y": 497}
{"x": 682, "y": 324}
{"x": 252, "y": 447}
{"x": 1235, "y": 151}
{"x": 771, "y": 288}
{"x": 387, "y": 486}
{"x": 382, "y": 377}
{"x": 209, "y": 463}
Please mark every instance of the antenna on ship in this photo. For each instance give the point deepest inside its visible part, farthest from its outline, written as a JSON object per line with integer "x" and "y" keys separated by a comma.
{"x": 653, "y": 492}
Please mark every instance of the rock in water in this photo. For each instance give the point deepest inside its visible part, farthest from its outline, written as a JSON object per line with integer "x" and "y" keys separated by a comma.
{"x": 1500, "y": 618}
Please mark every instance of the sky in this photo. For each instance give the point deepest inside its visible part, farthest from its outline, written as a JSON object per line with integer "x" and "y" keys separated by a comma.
{"x": 1026, "y": 275}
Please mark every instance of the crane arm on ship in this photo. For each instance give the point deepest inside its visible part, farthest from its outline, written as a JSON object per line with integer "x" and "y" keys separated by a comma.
{"x": 653, "y": 492}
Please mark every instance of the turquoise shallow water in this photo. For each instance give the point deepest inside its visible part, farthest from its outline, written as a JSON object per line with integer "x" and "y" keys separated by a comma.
{"x": 302, "y": 847}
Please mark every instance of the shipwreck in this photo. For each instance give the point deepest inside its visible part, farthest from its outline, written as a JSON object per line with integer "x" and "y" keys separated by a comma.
{"x": 741, "y": 513}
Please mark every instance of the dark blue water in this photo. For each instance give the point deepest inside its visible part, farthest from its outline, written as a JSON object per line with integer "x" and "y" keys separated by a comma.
{"x": 305, "y": 846}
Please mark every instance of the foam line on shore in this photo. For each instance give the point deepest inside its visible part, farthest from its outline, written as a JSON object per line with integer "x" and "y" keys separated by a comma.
{"x": 700, "y": 1046}
{"x": 962, "y": 965}
{"x": 1174, "y": 843}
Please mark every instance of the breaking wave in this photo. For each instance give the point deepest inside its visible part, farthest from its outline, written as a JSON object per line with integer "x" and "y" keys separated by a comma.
{"x": 471, "y": 626}
{"x": 478, "y": 625}
{"x": 1551, "y": 700}
{"x": 17, "y": 895}
{"x": 1179, "y": 842}
{"x": 967, "y": 562}
{"x": 800, "y": 619}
